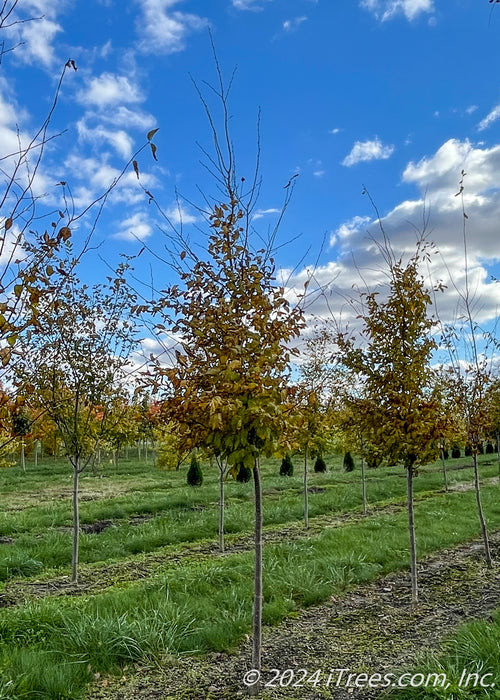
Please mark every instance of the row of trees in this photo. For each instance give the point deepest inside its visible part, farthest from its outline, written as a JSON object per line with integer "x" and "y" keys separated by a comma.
{"x": 69, "y": 352}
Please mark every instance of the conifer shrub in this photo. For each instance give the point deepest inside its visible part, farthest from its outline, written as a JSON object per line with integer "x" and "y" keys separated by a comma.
{"x": 286, "y": 468}
{"x": 446, "y": 454}
{"x": 194, "y": 475}
{"x": 489, "y": 448}
{"x": 468, "y": 451}
{"x": 348, "y": 462}
{"x": 244, "y": 474}
{"x": 319, "y": 465}
{"x": 480, "y": 449}
{"x": 455, "y": 452}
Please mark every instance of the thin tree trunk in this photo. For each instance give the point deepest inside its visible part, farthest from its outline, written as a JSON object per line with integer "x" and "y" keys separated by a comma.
{"x": 498, "y": 455}
{"x": 221, "y": 505}
{"x": 76, "y": 523}
{"x": 257, "y": 600}
{"x": 484, "y": 529}
{"x": 23, "y": 456}
{"x": 411, "y": 528}
{"x": 36, "y": 453}
{"x": 445, "y": 476}
{"x": 363, "y": 483}
{"x": 306, "y": 495}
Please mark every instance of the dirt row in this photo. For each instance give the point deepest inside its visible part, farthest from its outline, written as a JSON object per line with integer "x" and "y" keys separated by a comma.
{"x": 371, "y": 630}
{"x": 97, "y": 577}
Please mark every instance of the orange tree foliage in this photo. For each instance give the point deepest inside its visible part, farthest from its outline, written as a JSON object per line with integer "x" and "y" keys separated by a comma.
{"x": 392, "y": 359}
{"x": 400, "y": 408}
{"x": 227, "y": 388}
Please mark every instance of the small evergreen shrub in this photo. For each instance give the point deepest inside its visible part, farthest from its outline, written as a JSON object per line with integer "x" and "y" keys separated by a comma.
{"x": 468, "y": 451}
{"x": 489, "y": 448}
{"x": 480, "y": 449}
{"x": 194, "y": 475}
{"x": 320, "y": 465}
{"x": 446, "y": 454}
{"x": 348, "y": 462}
{"x": 244, "y": 474}
{"x": 286, "y": 468}
{"x": 455, "y": 452}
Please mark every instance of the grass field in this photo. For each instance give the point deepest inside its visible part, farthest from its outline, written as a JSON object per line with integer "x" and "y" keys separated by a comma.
{"x": 51, "y": 647}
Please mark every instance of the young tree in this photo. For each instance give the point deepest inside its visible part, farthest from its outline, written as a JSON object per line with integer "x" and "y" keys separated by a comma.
{"x": 227, "y": 388}
{"x": 469, "y": 372}
{"x": 311, "y": 402}
{"x": 76, "y": 367}
{"x": 391, "y": 355}
{"x": 30, "y": 269}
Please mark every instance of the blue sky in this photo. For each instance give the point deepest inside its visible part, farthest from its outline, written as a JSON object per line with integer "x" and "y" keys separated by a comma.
{"x": 395, "y": 95}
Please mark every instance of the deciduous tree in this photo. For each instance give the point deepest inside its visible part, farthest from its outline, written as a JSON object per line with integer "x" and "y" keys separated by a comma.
{"x": 75, "y": 366}
{"x": 391, "y": 354}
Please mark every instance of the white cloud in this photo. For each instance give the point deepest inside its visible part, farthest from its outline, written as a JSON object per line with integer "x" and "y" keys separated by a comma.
{"x": 387, "y": 9}
{"x": 489, "y": 118}
{"x": 319, "y": 173}
{"x": 438, "y": 211}
{"x": 253, "y": 5}
{"x": 471, "y": 109}
{"x": 180, "y": 216}
{"x": 260, "y": 213}
{"x": 134, "y": 228}
{"x": 163, "y": 30}
{"x": 350, "y": 227}
{"x": 110, "y": 89}
{"x": 335, "y": 131}
{"x": 291, "y": 25}
{"x": 34, "y": 25}
{"x": 117, "y": 138}
{"x": 129, "y": 118}
{"x": 368, "y": 150}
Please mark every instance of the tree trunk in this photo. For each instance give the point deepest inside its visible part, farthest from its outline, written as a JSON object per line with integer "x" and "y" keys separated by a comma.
{"x": 411, "y": 528}
{"x": 498, "y": 455}
{"x": 363, "y": 483}
{"x": 23, "y": 456}
{"x": 76, "y": 522}
{"x": 221, "y": 505}
{"x": 484, "y": 529}
{"x": 306, "y": 495}
{"x": 445, "y": 477}
{"x": 257, "y": 600}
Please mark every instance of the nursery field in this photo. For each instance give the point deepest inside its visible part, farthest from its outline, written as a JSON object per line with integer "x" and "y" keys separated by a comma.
{"x": 158, "y": 612}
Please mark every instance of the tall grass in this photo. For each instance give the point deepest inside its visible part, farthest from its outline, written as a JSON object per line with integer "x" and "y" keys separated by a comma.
{"x": 207, "y": 605}
{"x": 469, "y": 656}
{"x": 179, "y": 514}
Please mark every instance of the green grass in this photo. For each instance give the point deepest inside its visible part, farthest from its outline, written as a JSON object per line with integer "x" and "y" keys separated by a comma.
{"x": 204, "y": 606}
{"x": 470, "y": 658}
{"x": 41, "y": 531}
